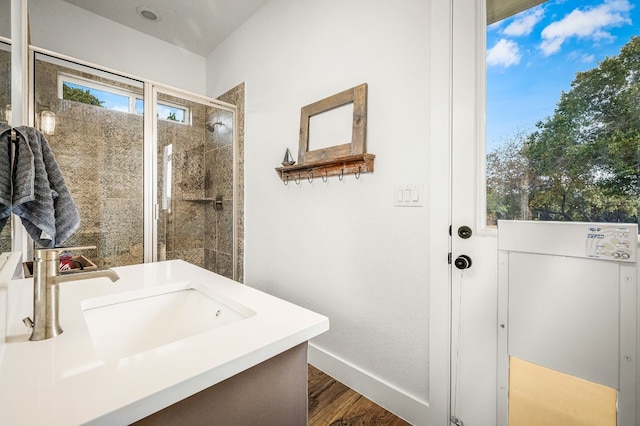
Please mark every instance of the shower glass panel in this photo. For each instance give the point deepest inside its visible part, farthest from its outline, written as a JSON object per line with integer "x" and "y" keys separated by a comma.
{"x": 5, "y": 117}
{"x": 98, "y": 144}
{"x": 195, "y": 182}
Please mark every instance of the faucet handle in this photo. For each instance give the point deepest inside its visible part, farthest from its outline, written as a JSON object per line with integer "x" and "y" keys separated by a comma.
{"x": 54, "y": 253}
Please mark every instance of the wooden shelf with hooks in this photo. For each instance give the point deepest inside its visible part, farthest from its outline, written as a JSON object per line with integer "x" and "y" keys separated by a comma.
{"x": 352, "y": 164}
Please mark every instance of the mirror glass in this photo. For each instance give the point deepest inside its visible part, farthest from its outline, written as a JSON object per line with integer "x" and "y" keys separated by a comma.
{"x": 94, "y": 126}
{"x": 5, "y": 19}
{"x": 331, "y": 128}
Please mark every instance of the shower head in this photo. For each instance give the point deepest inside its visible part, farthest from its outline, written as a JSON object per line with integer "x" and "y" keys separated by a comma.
{"x": 211, "y": 126}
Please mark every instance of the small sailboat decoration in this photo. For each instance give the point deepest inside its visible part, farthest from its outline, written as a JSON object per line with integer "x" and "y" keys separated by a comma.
{"x": 288, "y": 159}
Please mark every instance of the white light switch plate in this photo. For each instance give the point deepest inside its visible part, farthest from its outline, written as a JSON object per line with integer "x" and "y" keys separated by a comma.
{"x": 408, "y": 195}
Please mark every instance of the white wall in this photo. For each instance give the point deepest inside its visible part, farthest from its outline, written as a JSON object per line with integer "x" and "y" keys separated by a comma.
{"x": 342, "y": 248}
{"x": 63, "y": 28}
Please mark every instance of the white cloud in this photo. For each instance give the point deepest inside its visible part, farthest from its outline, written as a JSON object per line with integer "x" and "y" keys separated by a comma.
{"x": 587, "y": 59}
{"x": 523, "y": 23}
{"x": 580, "y": 56}
{"x": 585, "y": 23}
{"x": 504, "y": 52}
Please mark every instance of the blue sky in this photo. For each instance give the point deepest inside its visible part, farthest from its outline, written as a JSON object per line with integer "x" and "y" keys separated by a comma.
{"x": 118, "y": 102}
{"x": 533, "y": 56}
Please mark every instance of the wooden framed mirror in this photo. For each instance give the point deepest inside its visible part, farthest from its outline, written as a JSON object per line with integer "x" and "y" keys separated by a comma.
{"x": 357, "y": 96}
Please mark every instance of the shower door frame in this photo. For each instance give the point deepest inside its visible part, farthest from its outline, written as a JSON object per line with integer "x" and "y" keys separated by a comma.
{"x": 24, "y": 244}
{"x": 152, "y": 157}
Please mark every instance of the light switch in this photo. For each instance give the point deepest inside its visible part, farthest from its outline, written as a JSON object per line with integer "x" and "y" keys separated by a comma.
{"x": 408, "y": 195}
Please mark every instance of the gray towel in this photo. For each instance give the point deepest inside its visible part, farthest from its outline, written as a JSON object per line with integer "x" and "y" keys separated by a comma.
{"x": 48, "y": 213}
{"x": 17, "y": 183}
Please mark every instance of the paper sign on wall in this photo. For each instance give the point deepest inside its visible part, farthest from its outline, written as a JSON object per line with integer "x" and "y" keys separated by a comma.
{"x": 615, "y": 242}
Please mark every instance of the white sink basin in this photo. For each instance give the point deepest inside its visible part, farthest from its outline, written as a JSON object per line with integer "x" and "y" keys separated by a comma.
{"x": 129, "y": 323}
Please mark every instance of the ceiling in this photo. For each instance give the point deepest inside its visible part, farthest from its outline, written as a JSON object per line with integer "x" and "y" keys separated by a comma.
{"x": 200, "y": 26}
{"x": 195, "y": 25}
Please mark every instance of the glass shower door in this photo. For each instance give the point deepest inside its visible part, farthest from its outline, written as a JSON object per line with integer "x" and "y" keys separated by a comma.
{"x": 195, "y": 182}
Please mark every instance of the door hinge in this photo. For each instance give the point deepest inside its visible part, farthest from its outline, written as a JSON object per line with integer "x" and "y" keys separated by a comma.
{"x": 449, "y": 258}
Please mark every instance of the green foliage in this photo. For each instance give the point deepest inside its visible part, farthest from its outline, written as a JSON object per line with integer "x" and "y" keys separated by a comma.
{"x": 172, "y": 116}
{"x": 79, "y": 95}
{"x": 507, "y": 182}
{"x": 582, "y": 163}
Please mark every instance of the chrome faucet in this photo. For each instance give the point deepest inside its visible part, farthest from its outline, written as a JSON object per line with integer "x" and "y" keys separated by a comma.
{"x": 46, "y": 277}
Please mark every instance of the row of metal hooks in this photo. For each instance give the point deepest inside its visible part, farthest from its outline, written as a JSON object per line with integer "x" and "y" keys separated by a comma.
{"x": 324, "y": 178}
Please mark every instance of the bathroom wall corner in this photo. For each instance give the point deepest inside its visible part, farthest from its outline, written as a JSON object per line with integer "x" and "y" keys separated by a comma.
{"x": 412, "y": 408}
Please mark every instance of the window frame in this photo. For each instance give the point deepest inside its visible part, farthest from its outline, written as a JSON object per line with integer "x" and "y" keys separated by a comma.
{"x": 91, "y": 84}
{"x": 132, "y": 96}
{"x": 187, "y": 111}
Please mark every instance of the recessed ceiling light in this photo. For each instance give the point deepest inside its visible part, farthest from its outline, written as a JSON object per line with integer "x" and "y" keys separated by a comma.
{"x": 149, "y": 14}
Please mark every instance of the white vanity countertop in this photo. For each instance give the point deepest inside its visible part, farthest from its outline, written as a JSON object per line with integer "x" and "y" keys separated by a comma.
{"x": 63, "y": 381}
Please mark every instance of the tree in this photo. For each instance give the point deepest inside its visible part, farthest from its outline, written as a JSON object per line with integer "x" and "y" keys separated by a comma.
{"x": 508, "y": 181}
{"x": 587, "y": 155}
{"x": 79, "y": 95}
{"x": 583, "y": 162}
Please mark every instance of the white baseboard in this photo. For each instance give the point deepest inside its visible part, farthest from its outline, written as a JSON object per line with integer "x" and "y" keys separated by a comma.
{"x": 408, "y": 407}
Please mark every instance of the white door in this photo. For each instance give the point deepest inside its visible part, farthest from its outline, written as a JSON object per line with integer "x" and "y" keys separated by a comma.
{"x": 567, "y": 321}
{"x": 474, "y": 288}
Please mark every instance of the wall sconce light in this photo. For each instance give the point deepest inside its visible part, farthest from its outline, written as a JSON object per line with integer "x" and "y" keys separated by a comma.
{"x": 47, "y": 122}
{"x": 7, "y": 114}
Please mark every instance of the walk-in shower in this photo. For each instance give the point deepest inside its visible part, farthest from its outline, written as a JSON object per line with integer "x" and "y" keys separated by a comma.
{"x": 115, "y": 133}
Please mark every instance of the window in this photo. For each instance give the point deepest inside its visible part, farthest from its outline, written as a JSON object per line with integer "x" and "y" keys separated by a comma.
{"x": 167, "y": 111}
{"x": 563, "y": 113}
{"x": 93, "y": 93}
{"x": 110, "y": 97}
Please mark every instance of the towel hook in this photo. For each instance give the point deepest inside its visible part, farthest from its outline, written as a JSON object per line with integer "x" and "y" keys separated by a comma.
{"x": 298, "y": 179}
{"x": 341, "y": 175}
{"x": 358, "y": 174}
{"x": 325, "y": 177}
{"x": 310, "y": 177}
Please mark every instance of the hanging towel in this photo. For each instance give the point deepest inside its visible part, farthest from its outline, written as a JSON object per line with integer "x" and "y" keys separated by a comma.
{"x": 48, "y": 213}
{"x": 16, "y": 173}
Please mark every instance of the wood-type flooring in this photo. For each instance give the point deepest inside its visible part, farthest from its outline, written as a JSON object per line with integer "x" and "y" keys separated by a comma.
{"x": 333, "y": 404}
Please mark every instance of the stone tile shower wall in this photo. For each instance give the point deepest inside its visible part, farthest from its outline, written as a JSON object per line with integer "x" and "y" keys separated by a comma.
{"x": 181, "y": 227}
{"x": 235, "y": 97}
{"x": 219, "y": 183}
{"x": 5, "y": 99}
{"x": 192, "y": 229}
{"x": 100, "y": 153}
